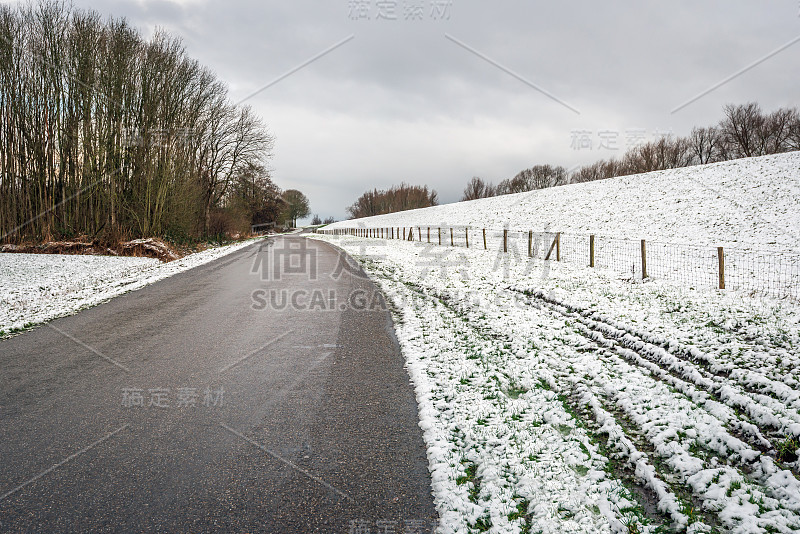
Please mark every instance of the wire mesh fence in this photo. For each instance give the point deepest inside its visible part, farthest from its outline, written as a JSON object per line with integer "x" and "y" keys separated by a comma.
{"x": 750, "y": 271}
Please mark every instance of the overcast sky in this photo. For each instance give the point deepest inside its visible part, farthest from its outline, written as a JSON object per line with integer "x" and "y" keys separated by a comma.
{"x": 421, "y": 95}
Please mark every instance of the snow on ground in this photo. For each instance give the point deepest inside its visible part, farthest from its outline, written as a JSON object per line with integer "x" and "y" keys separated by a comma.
{"x": 557, "y": 398}
{"x": 36, "y": 288}
{"x": 751, "y": 203}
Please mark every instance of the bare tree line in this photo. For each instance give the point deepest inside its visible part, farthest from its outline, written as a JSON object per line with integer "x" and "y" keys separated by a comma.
{"x": 396, "y": 198}
{"x": 745, "y": 131}
{"x": 104, "y": 131}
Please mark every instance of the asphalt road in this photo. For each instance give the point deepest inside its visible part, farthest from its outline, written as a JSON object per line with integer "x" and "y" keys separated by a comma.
{"x": 220, "y": 399}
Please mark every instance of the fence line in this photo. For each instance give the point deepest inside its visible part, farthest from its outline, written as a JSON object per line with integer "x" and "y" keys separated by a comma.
{"x": 752, "y": 271}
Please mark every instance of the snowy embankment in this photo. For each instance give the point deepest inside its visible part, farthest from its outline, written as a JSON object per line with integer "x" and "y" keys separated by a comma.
{"x": 751, "y": 203}
{"x": 557, "y": 398}
{"x": 36, "y": 288}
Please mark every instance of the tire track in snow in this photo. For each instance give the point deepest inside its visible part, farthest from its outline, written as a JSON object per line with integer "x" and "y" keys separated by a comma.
{"x": 668, "y": 365}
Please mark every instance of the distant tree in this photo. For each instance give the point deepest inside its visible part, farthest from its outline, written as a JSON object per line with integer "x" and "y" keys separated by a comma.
{"x": 741, "y": 127}
{"x": 794, "y": 135}
{"x": 329, "y": 220}
{"x": 537, "y": 177}
{"x": 315, "y": 220}
{"x": 478, "y": 188}
{"x": 397, "y": 198}
{"x": 255, "y": 195}
{"x": 665, "y": 153}
{"x": 744, "y": 132}
{"x": 599, "y": 170}
{"x": 776, "y": 135}
{"x": 297, "y": 206}
{"x": 705, "y": 144}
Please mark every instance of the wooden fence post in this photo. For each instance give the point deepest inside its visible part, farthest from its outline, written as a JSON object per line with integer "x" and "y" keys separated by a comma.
{"x": 429, "y": 234}
{"x": 440, "y": 235}
{"x": 530, "y": 243}
{"x": 591, "y": 250}
{"x": 452, "y": 241}
{"x": 558, "y": 246}
{"x": 466, "y": 235}
{"x": 552, "y": 248}
{"x": 505, "y": 240}
{"x": 721, "y": 259}
{"x": 644, "y": 260}
{"x": 484, "y": 239}
{"x": 420, "y": 232}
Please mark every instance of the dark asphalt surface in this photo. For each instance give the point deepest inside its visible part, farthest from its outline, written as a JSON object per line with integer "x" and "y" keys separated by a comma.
{"x": 182, "y": 407}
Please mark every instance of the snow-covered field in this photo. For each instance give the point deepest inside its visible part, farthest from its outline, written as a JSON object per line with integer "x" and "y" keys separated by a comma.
{"x": 35, "y": 288}
{"x": 555, "y": 397}
{"x": 558, "y": 398}
{"x": 751, "y": 203}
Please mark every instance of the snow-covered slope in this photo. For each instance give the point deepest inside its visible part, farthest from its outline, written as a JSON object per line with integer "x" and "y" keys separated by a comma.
{"x": 751, "y": 203}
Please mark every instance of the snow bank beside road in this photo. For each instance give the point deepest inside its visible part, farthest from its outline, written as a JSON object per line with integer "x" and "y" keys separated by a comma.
{"x": 36, "y": 288}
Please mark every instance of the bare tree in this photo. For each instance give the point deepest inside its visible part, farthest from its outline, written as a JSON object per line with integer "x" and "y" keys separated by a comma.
{"x": 705, "y": 144}
{"x": 104, "y": 131}
{"x": 776, "y": 136}
{"x": 537, "y": 177}
{"x": 741, "y": 129}
{"x": 794, "y": 134}
{"x": 478, "y": 188}
{"x": 396, "y": 198}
